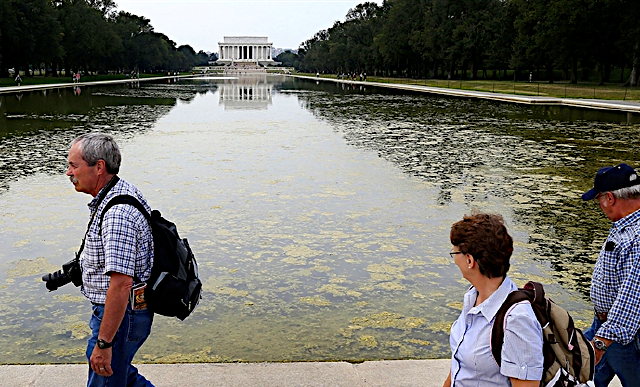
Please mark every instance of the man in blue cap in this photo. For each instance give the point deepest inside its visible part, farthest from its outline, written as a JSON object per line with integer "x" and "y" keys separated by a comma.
{"x": 615, "y": 288}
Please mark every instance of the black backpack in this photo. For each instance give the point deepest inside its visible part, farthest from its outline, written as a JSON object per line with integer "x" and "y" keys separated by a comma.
{"x": 568, "y": 355}
{"x": 174, "y": 287}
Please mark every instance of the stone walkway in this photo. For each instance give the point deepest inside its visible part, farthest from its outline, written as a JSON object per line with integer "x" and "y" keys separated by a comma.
{"x": 47, "y": 86}
{"x": 410, "y": 373}
{"x": 420, "y": 373}
{"x": 601, "y": 104}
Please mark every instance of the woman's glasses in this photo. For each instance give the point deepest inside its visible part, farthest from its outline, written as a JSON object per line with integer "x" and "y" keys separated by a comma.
{"x": 453, "y": 253}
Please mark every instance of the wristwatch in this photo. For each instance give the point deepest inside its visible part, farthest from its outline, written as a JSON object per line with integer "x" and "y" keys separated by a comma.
{"x": 599, "y": 344}
{"x": 104, "y": 344}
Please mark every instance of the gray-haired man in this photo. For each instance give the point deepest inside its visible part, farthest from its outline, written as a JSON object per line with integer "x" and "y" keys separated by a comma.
{"x": 112, "y": 256}
{"x": 615, "y": 288}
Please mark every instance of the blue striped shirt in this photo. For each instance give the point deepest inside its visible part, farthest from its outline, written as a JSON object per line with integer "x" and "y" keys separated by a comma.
{"x": 473, "y": 364}
{"x": 615, "y": 288}
{"x": 123, "y": 245}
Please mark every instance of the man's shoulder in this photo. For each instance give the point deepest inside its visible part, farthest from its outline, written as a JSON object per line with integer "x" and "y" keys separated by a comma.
{"x": 123, "y": 187}
{"x": 123, "y": 212}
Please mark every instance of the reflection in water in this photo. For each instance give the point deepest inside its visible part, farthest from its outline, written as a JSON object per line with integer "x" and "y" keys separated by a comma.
{"x": 247, "y": 92}
{"x": 320, "y": 225}
{"x": 36, "y": 128}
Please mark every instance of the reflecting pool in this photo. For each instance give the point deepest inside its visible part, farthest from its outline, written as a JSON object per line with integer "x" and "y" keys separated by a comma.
{"x": 319, "y": 213}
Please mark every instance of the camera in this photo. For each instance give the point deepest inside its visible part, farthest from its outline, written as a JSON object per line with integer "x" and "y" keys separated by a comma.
{"x": 70, "y": 272}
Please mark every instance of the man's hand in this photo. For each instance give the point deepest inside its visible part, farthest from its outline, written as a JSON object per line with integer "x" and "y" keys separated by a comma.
{"x": 600, "y": 353}
{"x": 114, "y": 309}
{"x": 101, "y": 361}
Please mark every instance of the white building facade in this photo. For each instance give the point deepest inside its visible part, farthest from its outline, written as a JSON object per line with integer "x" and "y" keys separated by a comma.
{"x": 245, "y": 49}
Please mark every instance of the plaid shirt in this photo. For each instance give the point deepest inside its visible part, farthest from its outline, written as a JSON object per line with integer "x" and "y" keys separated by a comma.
{"x": 124, "y": 245}
{"x": 615, "y": 288}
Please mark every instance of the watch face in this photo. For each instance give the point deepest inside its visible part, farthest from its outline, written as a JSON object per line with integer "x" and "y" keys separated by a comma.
{"x": 103, "y": 344}
{"x": 599, "y": 344}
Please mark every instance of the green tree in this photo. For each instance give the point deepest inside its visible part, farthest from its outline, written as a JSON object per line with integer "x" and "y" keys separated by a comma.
{"x": 202, "y": 58}
{"x": 29, "y": 34}
{"x": 88, "y": 37}
{"x": 287, "y": 58}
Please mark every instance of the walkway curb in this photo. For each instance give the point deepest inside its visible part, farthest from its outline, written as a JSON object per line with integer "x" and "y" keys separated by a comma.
{"x": 47, "y": 86}
{"x": 387, "y": 373}
{"x": 419, "y": 373}
{"x": 599, "y": 104}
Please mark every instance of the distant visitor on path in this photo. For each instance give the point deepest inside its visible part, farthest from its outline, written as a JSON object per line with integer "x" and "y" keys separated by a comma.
{"x": 615, "y": 287}
{"x": 111, "y": 258}
{"x": 481, "y": 248}
{"x": 18, "y": 80}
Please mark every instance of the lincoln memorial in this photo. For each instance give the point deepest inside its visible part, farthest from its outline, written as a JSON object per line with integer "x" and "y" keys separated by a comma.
{"x": 245, "y": 49}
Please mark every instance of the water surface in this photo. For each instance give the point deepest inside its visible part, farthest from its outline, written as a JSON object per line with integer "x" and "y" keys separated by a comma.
{"x": 319, "y": 213}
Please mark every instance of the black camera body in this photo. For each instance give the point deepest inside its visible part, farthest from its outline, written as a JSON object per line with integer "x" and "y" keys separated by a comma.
{"x": 70, "y": 272}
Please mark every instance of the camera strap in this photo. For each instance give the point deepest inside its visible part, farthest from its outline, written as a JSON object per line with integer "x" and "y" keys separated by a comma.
{"x": 103, "y": 193}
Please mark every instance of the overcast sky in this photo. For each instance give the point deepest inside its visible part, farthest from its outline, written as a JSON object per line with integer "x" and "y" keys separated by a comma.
{"x": 204, "y": 23}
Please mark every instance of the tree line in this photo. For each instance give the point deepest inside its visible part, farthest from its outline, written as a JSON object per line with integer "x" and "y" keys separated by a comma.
{"x": 85, "y": 35}
{"x": 573, "y": 40}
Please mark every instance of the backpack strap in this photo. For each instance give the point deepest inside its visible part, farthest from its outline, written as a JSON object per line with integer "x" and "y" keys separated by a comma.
{"x": 497, "y": 332}
{"x": 538, "y": 302}
{"x": 125, "y": 199}
{"x": 103, "y": 192}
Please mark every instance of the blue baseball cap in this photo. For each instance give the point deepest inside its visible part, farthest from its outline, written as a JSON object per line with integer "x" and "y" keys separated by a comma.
{"x": 611, "y": 179}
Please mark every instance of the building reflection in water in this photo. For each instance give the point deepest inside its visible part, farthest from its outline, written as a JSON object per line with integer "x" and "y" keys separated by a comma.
{"x": 248, "y": 92}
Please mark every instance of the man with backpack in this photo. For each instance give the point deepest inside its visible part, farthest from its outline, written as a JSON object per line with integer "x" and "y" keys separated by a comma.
{"x": 615, "y": 288}
{"x": 113, "y": 254}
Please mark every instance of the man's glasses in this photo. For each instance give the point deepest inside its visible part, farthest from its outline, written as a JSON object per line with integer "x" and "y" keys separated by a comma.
{"x": 598, "y": 196}
{"x": 453, "y": 253}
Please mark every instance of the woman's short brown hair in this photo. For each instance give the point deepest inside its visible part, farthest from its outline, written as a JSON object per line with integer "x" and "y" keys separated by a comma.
{"x": 486, "y": 238}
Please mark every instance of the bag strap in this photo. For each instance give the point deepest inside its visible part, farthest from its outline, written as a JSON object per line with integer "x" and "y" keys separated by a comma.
{"x": 103, "y": 193}
{"x": 497, "y": 332}
{"x": 538, "y": 302}
{"x": 124, "y": 199}
{"x": 130, "y": 200}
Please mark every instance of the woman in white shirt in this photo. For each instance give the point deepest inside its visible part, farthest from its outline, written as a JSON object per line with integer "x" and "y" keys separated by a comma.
{"x": 481, "y": 248}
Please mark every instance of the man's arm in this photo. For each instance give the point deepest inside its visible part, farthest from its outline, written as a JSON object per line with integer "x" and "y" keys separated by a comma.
{"x": 524, "y": 383}
{"x": 599, "y": 353}
{"x": 447, "y": 381}
{"x": 114, "y": 309}
{"x": 623, "y": 319}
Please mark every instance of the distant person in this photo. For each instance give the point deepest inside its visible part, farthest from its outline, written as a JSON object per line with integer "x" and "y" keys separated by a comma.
{"x": 481, "y": 248}
{"x": 615, "y": 287}
{"x": 113, "y": 256}
{"x": 18, "y": 80}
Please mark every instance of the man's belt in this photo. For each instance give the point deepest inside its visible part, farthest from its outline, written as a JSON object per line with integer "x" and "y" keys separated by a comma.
{"x": 601, "y": 316}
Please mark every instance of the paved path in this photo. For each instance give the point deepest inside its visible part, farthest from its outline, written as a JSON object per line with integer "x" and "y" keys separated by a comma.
{"x": 46, "y": 86}
{"x": 421, "y": 373}
{"x": 601, "y": 104}
{"x": 410, "y": 373}
{"x": 616, "y": 105}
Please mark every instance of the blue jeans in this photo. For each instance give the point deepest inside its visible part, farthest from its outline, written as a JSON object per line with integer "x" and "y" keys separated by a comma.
{"x": 621, "y": 360}
{"x": 133, "y": 331}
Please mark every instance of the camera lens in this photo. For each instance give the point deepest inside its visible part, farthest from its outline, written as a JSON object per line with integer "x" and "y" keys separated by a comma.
{"x": 56, "y": 279}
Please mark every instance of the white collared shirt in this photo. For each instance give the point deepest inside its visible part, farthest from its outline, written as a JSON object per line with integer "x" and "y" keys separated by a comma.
{"x": 472, "y": 363}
